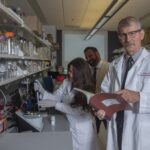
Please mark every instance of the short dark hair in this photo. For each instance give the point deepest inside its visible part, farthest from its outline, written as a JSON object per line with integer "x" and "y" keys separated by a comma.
{"x": 94, "y": 49}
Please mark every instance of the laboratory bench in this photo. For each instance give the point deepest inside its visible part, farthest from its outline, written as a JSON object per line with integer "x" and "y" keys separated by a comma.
{"x": 60, "y": 140}
{"x": 50, "y": 122}
{"x": 52, "y": 134}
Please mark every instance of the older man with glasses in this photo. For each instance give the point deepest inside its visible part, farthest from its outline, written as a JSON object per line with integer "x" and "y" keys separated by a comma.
{"x": 129, "y": 76}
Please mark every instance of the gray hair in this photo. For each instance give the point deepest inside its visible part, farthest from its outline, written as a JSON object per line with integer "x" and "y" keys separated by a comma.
{"x": 127, "y": 21}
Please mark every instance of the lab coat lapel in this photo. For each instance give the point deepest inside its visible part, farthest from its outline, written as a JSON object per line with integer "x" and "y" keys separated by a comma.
{"x": 118, "y": 69}
{"x": 134, "y": 69}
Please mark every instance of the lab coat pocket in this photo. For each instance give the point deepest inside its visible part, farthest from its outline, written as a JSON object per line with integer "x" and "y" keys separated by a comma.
{"x": 84, "y": 129}
{"x": 144, "y": 131}
{"x": 86, "y": 135}
{"x": 143, "y": 80}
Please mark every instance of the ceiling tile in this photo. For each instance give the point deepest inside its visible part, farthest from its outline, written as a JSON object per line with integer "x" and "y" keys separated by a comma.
{"x": 93, "y": 12}
{"x": 74, "y": 11}
{"x": 81, "y": 14}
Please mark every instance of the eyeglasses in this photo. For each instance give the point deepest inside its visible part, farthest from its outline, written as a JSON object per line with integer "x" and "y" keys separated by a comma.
{"x": 131, "y": 34}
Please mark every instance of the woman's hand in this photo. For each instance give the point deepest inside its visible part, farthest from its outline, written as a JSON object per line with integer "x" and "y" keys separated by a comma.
{"x": 38, "y": 87}
{"x": 100, "y": 114}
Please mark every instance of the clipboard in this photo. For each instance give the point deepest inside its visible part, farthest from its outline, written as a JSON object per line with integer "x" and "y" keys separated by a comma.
{"x": 109, "y": 102}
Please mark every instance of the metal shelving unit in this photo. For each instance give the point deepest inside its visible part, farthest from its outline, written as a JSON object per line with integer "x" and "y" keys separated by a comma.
{"x": 10, "y": 21}
{"x": 22, "y": 77}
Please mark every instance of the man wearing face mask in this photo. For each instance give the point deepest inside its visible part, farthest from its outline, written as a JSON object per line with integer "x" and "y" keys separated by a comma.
{"x": 99, "y": 69}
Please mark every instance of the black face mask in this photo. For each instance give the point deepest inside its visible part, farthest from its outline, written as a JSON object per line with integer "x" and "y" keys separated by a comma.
{"x": 92, "y": 62}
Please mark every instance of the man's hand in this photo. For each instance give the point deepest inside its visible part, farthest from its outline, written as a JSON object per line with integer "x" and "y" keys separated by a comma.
{"x": 129, "y": 96}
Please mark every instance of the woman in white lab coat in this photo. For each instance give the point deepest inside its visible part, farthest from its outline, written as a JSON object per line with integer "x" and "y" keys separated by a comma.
{"x": 136, "y": 128}
{"x": 74, "y": 104}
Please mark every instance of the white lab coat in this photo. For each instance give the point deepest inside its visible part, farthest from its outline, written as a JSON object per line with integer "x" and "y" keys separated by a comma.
{"x": 81, "y": 123}
{"x": 136, "y": 130}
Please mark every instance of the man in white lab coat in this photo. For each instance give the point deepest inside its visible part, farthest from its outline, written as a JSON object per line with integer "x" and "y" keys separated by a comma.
{"x": 136, "y": 90}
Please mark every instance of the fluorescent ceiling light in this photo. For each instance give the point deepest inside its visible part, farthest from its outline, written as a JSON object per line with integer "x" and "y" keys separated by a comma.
{"x": 101, "y": 22}
{"x": 109, "y": 12}
{"x": 93, "y": 31}
{"x": 91, "y": 34}
{"x": 115, "y": 7}
{"x": 88, "y": 37}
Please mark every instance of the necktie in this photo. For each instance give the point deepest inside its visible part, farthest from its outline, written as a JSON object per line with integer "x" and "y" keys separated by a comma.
{"x": 94, "y": 79}
{"x": 120, "y": 114}
{"x": 130, "y": 62}
{"x": 94, "y": 75}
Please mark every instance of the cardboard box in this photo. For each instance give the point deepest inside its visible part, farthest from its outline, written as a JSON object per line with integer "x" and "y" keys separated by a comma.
{"x": 33, "y": 23}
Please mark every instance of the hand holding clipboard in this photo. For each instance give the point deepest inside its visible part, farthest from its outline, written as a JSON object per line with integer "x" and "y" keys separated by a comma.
{"x": 109, "y": 102}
